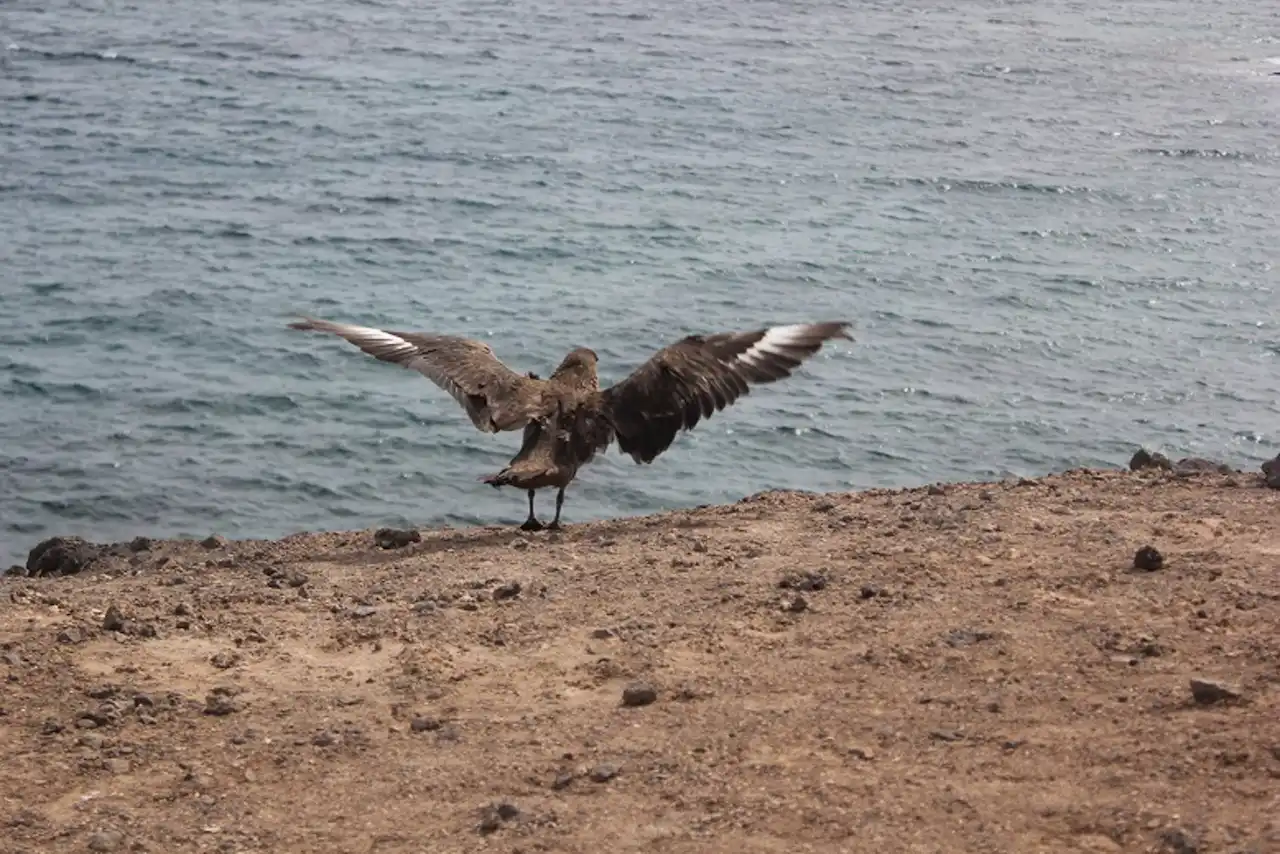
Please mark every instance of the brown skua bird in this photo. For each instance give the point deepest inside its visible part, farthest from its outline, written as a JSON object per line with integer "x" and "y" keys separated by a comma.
{"x": 567, "y": 418}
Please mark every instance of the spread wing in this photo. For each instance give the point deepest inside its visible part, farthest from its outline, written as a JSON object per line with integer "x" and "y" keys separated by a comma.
{"x": 698, "y": 376}
{"x": 494, "y": 396}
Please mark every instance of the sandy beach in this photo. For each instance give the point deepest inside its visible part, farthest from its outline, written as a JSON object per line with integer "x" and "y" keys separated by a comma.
{"x": 954, "y": 668}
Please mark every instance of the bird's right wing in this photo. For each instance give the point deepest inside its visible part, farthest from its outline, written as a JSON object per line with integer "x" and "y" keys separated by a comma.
{"x": 494, "y": 396}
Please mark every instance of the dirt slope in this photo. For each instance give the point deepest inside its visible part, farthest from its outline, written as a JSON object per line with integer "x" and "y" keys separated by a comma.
{"x": 974, "y": 668}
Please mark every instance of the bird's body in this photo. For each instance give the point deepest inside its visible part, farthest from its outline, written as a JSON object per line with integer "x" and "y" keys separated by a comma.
{"x": 567, "y": 418}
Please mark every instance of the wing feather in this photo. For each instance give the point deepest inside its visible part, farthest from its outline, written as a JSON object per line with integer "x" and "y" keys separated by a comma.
{"x": 698, "y": 376}
{"x": 494, "y": 397}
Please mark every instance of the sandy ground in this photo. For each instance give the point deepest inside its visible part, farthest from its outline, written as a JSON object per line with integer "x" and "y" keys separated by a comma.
{"x": 966, "y": 668}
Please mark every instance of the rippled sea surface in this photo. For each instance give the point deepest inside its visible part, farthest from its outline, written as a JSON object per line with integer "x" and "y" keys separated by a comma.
{"x": 1055, "y": 225}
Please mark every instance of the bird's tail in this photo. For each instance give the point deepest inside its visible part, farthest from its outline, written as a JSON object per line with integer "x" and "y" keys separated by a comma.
{"x": 502, "y": 478}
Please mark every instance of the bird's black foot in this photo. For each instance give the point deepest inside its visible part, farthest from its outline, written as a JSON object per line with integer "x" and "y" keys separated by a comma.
{"x": 554, "y": 526}
{"x": 531, "y": 524}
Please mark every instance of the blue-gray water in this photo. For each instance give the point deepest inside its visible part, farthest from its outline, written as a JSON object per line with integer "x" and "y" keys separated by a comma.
{"x": 1054, "y": 223}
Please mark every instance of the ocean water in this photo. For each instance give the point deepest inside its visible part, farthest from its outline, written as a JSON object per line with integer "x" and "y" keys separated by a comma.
{"x": 1054, "y": 224}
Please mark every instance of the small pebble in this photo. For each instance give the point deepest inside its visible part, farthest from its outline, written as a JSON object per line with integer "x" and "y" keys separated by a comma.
{"x": 562, "y": 781}
{"x": 324, "y": 739}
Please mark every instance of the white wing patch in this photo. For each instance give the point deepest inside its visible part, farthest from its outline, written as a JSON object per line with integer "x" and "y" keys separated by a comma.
{"x": 775, "y": 341}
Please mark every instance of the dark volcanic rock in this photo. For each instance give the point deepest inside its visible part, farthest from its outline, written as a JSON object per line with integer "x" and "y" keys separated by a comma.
{"x": 1144, "y": 459}
{"x": 1207, "y": 692}
{"x": 1148, "y": 559}
{"x": 395, "y": 538}
{"x": 639, "y": 694}
{"x": 114, "y": 620}
{"x": 1199, "y": 465}
{"x": 1271, "y": 471}
{"x": 62, "y": 556}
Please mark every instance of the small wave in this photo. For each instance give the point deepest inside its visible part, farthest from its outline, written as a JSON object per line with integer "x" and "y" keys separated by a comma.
{"x": 75, "y": 55}
{"x": 55, "y": 391}
{"x": 1206, "y": 153}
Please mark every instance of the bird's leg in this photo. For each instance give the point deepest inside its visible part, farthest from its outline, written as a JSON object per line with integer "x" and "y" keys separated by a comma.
{"x": 555, "y": 523}
{"x": 531, "y": 524}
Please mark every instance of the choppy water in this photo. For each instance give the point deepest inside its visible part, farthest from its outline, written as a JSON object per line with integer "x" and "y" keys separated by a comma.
{"x": 1055, "y": 224}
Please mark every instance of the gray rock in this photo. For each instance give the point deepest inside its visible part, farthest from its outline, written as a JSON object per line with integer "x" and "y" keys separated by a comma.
{"x": 424, "y": 724}
{"x": 495, "y": 815}
{"x": 141, "y": 544}
{"x": 1207, "y": 692}
{"x": 795, "y": 604}
{"x": 105, "y": 841}
{"x": 214, "y": 541}
{"x": 62, "y": 556}
{"x": 639, "y": 694}
{"x": 1188, "y": 466}
{"x": 1148, "y": 559}
{"x": 603, "y": 773}
{"x": 510, "y": 590}
{"x": 114, "y": 620}
{"x": 1144, "y": 459}
{"x": 1271, "y": 472}
{"x": 395, "y": 538}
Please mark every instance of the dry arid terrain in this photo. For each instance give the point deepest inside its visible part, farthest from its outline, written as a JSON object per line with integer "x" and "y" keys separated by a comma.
{"x": 959, "y": 668}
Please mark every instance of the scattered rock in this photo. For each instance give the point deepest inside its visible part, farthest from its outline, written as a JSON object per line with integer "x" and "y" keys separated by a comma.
{"x": 795, "y": 604}
{"x": 182, "y": 609}
{"x": 324, "y": 738}
{"x": 16, "y": 571}
{"x": 1271, "y": 471}
{"x": 495, "y": 815}
{"x": 1148, "y": 559}
{"x": 966, "y": 637}
{"x": 106, "y": 840}
{"x": 602, "y": 634}
{"x": 1144, "y": 459}
{"x": 857, "y": 751}
{"x": 424, "y": 724}
{"x": 141, "y": 544}
{"x": 563, "y": 780}
{"x": 224, "y": 660}
{"x": 117, "y": 765}
{"x": 870, "y": 591}
{"x": 639, "y": 694}
{"x": 603, "y": 773}
{"x": 395, "y": 538}
{"x": 1188, "y": 466}
{"x": 62, "y": 556}
{"x": 214, "y": 541}
{"x": 937, "y": 489}
{"x": 114, "y": 620}
{"x": 220, "y": 703}
{"x": 806, "y": 581}
{"x": 1207, "y": 692}
{"x": 1179, "y": 841}
{"x": 72, "y": 634}
{"x": 510, "y": 590}
{"x": 362, "y": 611}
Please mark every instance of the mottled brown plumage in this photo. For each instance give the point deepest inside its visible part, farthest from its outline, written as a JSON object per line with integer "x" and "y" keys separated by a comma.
{"x": 567, "y": 418}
